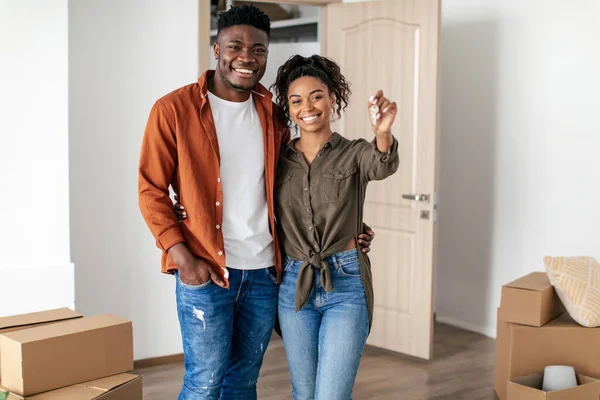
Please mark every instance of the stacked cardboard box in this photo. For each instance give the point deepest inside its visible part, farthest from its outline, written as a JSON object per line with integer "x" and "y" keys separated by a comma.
{"x": 534, "y": 331}
{"x": 58, "y": 354}
{"x": 24, "y": 321}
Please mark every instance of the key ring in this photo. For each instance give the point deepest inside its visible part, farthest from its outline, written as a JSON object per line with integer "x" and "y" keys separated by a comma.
{"x": 374, "y": 110}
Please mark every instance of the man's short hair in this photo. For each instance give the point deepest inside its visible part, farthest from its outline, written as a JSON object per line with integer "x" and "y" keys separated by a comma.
{"x": 244, "y": 15}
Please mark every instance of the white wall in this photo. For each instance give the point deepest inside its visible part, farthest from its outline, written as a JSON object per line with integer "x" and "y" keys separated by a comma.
{"x": 519, "y": 140}
{"x": 123, "y": 56}
{"x": 35, "y": 268}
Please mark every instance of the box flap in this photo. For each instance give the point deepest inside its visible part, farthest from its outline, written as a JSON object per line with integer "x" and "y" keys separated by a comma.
{"x": 531, "y": 381}
{"x": 132, "y": 390}
{"x": 85, "y": 391}
{"x": 111, "y": 382}
{"x": 37, "y": 318}
{"x": 584, "y": 391}
{"x": 72, "y": 392}
{"x": 536, "y": 281}
{"x": 65, "y": 328}
{"x": 530, "y": 387}
{"x": 515, "y": 390}
{"x": 582, "y": 379}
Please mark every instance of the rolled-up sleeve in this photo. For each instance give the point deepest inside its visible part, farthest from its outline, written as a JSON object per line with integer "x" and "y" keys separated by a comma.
{"x": 375, "y": 165}
{"x": 157, "y": 162}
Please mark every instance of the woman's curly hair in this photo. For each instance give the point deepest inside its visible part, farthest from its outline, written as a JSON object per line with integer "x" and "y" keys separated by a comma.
{"x": 318, "y": 67}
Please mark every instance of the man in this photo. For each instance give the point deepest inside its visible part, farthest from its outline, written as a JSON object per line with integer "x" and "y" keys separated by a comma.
{"x": 216, "y": 142}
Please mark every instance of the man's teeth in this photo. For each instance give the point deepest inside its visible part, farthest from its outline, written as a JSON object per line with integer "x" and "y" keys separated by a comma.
{"x": 308, "y": 119}
{"x": 244, "y": 71}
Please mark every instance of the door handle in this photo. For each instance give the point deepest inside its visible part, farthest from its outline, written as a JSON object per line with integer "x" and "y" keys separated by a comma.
{"x": 416, "y": 197}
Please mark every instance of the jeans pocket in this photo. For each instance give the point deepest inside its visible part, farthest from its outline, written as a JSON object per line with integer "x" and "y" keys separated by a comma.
{"x": 288, "y": 264}
{"x": 349, "y": 268}
{"x": 192, "y": 287}
{"x": 271, "y": 273}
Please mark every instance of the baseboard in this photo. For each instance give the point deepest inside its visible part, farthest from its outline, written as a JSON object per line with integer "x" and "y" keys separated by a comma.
{"x": 27, "y": 289}
{"x": 489, "y": 331}
{"x": 156, "y": 361}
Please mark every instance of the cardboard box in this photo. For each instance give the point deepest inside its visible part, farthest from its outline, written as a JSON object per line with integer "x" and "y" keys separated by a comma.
{"x": 24, "y": 321}
{"x": 49, "y": 357}
{"x": 530, "y": 388}
{"x": 525, "y": 350}
{"x": 118, "y": 387}
{"x": 530, "y": 300}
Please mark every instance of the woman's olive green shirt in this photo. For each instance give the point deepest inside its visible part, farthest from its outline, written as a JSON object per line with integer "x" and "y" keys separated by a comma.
{"x": 319, "y": 207}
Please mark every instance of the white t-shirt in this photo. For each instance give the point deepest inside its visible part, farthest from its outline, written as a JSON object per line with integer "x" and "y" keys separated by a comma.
{"x": 248, "y": 240}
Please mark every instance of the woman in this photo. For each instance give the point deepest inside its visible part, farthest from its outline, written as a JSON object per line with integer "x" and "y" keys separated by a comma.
{"x": 326, "y": 295}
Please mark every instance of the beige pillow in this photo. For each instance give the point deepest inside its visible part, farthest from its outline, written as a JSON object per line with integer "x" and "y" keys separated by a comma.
{"x": 577, "y": 283}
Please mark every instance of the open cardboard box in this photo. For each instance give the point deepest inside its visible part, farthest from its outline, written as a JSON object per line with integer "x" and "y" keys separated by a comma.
{"x": 53, "y": 356}
{"x": 530, "y": 300}
{"x": 117, "y": 387}
{"x": 530, "y": 388}
{"x": 524, "y": 350}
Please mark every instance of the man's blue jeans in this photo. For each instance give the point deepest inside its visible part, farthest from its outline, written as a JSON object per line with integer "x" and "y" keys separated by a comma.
{"x": 324, "y": 341}
{"x": 225, "y": 334}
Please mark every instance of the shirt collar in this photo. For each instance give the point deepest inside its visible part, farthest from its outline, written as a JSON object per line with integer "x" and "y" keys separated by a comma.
{"x": 333, "y": 141}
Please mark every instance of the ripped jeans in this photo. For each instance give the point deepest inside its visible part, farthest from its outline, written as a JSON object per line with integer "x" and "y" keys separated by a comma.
{"x": 225, "y": 333}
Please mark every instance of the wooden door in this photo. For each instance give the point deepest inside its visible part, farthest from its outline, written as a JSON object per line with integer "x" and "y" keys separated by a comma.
{"x": 393, "y": 45}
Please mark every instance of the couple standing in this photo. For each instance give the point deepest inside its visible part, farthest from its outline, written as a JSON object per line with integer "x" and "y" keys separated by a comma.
{"x": 274, "y": 226}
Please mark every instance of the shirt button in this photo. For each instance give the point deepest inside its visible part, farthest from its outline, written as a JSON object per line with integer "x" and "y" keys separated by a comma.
{"x": 310, "y": 228}
{"x": 317, "y": 247}
{"x": 220, "y": 253}
{"x": 306, "y": 189}
{"x": 218, "y": 226}
{"x": 308, "y": 210}
{"x": 218, "y": 179}
{"x": 218, "y": 204}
